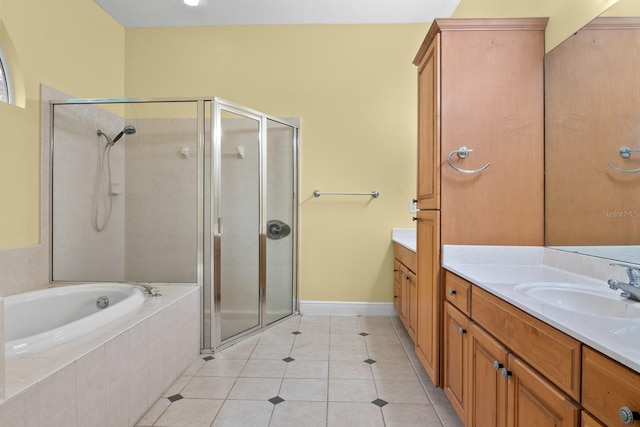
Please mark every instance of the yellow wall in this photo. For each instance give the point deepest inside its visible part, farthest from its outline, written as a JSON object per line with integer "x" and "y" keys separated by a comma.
{"x": 565, "y": 16}
{"x": 354, "y": 88}
{"x": 70, "y": 45}
{"x": 624, "y": 8}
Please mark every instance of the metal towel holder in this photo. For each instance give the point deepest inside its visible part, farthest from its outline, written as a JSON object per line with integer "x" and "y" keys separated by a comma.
{"x": 374, "y": 194}
{"x": 625, "y": 153}
{"x": 463, "y": 153}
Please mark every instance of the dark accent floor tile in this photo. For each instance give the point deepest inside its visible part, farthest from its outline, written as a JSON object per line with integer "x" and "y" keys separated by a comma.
{"x": 175, "y": 397}
{"x": 296, "y": 333}
{"x": 277, "y": 399}
{"x": 288, "y": 359}
{"x": 208, "y": 358}
{"x": 364, "y": 334}
{"x": 379, "y": 402}
{"x": 370, "y": 361}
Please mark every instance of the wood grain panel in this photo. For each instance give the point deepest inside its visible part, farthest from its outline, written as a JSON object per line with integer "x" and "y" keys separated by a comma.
{"x": 552, "y": 353}
{"x": 492, "y": 91}
{"x": 607, "y": 386}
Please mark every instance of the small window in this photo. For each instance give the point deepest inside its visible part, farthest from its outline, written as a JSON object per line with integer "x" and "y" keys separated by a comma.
{"x": 5, "y": 82}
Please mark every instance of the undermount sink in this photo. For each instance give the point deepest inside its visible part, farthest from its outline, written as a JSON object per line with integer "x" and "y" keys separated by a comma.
{"x": 581, "y": 299}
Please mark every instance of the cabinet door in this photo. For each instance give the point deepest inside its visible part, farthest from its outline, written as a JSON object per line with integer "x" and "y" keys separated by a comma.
{"x": 487, "y": 389}
{"x": 534, "y": 402}
{"x": 429, "y": 128}
{"x": 413, "y": 305}
{"x": 492, "y": 102}
{"x": 429, "y": 300}
{"x": 404, "y": 309}
{"x": 397, "y": 288}
{"x": 455, "y": 359}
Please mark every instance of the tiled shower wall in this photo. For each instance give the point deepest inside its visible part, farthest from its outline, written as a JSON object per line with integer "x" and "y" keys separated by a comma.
{"x": 81, "y": 252}
{"x": 161, "y": 201}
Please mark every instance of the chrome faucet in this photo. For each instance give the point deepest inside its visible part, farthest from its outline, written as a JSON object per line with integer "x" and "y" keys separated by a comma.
{"x": 147, "y": 286}
{"x": 629, "y": 290}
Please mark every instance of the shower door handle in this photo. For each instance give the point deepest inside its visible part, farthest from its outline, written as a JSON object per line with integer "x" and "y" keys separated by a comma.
{"x": 219, "y": 226}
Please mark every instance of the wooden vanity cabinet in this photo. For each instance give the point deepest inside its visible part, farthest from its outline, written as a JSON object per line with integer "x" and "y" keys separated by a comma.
{"x": 405, "y": 288}
{"x": 607, "y": 386}
{"x": 534, "y": 401}
{"x": 480, "y": 86}
{"x": 456, "y": 359}
{"x": 487, "y": 390}
{"x": 488, "y": 375}
{"x": 427, "y": 344}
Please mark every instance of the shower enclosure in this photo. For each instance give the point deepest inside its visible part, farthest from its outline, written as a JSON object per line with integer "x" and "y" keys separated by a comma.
{"x": 179, "y": 191}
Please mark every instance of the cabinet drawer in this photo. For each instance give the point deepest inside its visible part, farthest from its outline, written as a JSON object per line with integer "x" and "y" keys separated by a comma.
{"x": 608, "y": 386}
{"x": 405, "y": 256}
{"x": 458, "y": 292}
{"x": 554, "y": 354}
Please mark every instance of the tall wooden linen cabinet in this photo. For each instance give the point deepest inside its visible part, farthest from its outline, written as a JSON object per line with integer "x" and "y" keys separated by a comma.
{"x": 480, "y": 151}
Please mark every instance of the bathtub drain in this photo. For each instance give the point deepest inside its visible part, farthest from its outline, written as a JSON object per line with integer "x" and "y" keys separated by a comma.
{"x": 102, "y": 302}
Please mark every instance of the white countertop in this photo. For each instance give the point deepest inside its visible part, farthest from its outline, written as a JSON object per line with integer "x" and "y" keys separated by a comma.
{"x": 499, "y": 269}
{"x": 405, "y": 237}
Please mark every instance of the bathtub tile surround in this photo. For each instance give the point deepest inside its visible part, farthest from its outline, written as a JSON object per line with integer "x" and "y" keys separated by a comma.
{"x": 309, "y": 370}
{"x": 126, "y": 365}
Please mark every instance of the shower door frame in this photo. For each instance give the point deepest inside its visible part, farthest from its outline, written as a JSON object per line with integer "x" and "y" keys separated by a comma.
{"x": 212, "y": 339}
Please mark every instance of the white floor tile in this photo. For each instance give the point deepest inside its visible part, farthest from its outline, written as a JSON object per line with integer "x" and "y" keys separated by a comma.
{"x": 326, "y": 384}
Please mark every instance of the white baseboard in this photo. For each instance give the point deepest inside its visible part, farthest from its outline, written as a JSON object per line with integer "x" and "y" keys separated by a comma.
{"x": 347, "y": 308}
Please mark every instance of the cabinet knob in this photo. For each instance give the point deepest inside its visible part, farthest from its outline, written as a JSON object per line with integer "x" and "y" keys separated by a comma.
{"x": 414, "y": 218}
{"x": 415, "y": 200}
{"x": 505, "y": 373}
{"x": 497, "y": 365}
{"x": 462, "y": 331}
{"x": 628, "y": 416}
{"x": 452, "y": 292}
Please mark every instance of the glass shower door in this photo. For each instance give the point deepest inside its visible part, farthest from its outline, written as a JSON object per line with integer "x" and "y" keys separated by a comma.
{"x": 280, "y": 218}
{"x": 253, "y": 221}
{"x": 238, "y": 223}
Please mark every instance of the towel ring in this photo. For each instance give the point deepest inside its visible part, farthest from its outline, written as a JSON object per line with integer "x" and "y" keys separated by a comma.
{"x": 625, "y": 153}
{"x": 463, "y": 153}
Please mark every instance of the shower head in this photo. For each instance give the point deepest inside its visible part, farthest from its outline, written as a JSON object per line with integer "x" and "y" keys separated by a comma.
{"x": 128, "y": 130}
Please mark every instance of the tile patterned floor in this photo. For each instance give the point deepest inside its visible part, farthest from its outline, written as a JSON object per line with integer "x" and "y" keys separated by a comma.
{"x": 325, "y": 371}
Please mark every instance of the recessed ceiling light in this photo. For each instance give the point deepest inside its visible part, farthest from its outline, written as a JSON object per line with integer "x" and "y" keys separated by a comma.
{"x": 192, "y": 2}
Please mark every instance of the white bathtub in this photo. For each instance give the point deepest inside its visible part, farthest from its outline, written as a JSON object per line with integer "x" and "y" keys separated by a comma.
{"x": 36, "y": 321}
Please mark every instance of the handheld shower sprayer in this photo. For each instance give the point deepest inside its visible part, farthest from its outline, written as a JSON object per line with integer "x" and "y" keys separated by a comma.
{"x": 128, "y": 130}
{"x": 102, "y": 195}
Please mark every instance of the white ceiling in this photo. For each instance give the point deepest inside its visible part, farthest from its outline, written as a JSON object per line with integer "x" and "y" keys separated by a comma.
{"x": 174, "y": 13}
